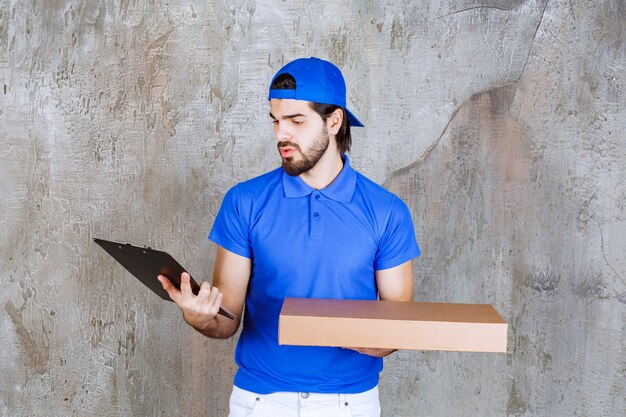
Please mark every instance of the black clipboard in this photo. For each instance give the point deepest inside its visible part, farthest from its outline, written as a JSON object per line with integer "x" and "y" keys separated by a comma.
{"x": 146, "y": 264}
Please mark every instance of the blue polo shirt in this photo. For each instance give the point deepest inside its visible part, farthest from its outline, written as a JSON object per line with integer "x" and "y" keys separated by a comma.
{"x": 315, "y": 244}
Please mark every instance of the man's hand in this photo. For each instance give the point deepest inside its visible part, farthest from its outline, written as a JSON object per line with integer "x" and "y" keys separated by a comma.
{"x": 200, "y": 311}
{"x": 376, "y": 352}
{"x": 231, "y": 275}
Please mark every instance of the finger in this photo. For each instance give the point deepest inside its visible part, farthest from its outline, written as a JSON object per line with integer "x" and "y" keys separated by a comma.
{"x": 217, "y": 302}
{"x": 205, "y": 292}
{"x": 376, "y": 352}
{"x": 212, "y": 301}
{"x": 213, "y": 295}
{"x": 185, "y": 285}
{"x": 207, "y": 295}
{"x": 170, "y": 288}
{"x": 356, "y": 349}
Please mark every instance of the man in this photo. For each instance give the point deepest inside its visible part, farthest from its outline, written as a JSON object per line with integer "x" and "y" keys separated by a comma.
{"x": 313, "y": 228}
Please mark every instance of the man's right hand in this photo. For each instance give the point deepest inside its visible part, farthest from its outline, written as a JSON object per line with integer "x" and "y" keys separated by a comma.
{"x": 231, "y": 275}
{"x": 200, "y": 311}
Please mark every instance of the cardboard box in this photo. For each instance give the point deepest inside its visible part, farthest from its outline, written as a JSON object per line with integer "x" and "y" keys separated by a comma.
{"x": 392, "y": 325}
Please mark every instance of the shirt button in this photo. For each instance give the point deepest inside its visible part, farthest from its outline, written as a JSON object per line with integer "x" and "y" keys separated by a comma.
{"x": 317, "y": 196}
{"x": 316, "y": 214}
{"x": 304, "y": 395}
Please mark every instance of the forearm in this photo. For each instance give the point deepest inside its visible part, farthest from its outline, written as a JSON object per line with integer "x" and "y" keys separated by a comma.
{"x": 219, "y": 327}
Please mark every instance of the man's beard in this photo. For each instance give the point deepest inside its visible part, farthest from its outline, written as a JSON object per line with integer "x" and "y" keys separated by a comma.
{"x": 309, "y": 159}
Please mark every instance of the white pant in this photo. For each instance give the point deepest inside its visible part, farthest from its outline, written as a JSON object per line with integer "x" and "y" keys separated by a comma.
{"x": 303, "y": 404}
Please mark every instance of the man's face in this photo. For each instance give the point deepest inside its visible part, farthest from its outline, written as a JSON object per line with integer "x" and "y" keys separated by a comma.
{"x": 301, "y": 134}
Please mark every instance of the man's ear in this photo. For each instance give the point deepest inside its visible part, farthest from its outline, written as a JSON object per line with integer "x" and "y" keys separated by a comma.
{"x": 334, "y": 121}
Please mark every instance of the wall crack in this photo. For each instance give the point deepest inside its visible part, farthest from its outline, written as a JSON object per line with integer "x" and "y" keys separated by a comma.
{"x": 475, "y": 8}
{"x": 532, "y": 42}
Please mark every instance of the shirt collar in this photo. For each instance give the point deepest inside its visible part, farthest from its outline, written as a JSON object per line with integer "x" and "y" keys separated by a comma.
{"x": 341, "y": 189}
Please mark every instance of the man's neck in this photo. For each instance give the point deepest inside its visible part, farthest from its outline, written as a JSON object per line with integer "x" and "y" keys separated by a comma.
{"x": 325, "y": 171}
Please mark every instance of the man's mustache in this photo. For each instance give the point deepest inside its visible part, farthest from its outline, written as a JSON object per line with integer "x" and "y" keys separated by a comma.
{"x": 287, "y": 143}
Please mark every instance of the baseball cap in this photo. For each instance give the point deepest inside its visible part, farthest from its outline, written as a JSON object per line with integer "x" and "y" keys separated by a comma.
{"x": 317, "y": 81}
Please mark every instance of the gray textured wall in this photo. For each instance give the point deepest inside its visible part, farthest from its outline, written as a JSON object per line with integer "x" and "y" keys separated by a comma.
{"x": 500, "y": 123}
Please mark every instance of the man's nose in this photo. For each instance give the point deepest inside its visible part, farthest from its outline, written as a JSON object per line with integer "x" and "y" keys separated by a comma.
{"x": 281, "y": 132}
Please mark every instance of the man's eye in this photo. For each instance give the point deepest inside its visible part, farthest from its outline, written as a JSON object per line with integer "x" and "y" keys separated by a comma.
{"x": 297, "y": 122}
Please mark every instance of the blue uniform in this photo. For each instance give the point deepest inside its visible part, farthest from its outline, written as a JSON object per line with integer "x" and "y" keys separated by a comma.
{"x": 316, "y": 244}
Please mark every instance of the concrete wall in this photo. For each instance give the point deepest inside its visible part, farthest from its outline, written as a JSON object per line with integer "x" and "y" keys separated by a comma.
{"x": 500, "y": 123}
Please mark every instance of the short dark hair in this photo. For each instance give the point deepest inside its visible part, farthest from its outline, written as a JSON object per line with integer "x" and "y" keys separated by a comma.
{"x": 286, "y": 81}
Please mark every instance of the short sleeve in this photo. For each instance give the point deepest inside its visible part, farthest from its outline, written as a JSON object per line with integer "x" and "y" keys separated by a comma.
{"x": 230, "y": 229}
{"x": 397, "y": 244}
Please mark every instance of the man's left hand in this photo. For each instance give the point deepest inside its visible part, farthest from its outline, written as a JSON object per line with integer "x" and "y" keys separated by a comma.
{"x": 376, "y": 352}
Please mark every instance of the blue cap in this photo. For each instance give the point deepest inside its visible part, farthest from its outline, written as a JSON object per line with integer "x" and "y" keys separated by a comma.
{"x": 317, "y": 81}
